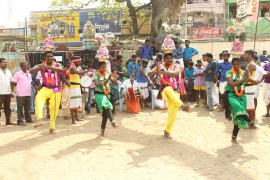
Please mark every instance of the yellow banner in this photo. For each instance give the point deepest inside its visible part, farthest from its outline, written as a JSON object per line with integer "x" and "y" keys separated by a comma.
{"x": 68, "y": 25}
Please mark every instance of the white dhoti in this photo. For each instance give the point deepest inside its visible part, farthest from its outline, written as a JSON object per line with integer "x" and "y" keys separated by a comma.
{"x": 144, "y": 90}
{"x": 250, "y": 93}
{"x": 75, "y": 98}
{"x": 222, "y": 87}
{"x": 215, "y": 95}
{"x": 266, "y": 93}
{"x": 160, "y": 103}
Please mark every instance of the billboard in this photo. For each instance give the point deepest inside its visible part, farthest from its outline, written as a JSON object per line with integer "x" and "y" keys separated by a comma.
{"x": 247, "y": 11}
{"x": 205, "y": 33}
{"x": 68, "y": 25}
{"x": 100, "y": 22}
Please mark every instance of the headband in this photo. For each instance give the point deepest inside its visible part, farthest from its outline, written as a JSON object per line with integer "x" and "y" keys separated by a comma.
{"x": 76, "y": 60}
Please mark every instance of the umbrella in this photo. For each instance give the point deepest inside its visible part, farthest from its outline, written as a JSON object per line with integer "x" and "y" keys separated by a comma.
{"x": 163, "y": 35}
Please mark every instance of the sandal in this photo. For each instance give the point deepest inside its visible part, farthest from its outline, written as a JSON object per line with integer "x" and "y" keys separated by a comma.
{"x": 167, "y": 135}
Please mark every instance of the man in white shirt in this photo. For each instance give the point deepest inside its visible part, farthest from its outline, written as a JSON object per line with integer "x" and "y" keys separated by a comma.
{"x": 260, "y": 72}
{"x": 6, "y": 90}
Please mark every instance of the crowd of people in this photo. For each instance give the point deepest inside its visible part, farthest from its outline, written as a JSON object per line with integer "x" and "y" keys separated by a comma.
{"x": 170, "y": 80}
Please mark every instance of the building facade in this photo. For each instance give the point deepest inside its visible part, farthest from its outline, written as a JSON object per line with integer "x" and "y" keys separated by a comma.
{"x": 205, "y": 19}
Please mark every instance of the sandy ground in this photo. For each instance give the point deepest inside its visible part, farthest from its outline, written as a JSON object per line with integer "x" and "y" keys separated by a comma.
{"x": 200, "y": 148}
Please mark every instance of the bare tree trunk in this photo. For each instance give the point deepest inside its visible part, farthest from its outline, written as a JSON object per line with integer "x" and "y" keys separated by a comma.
{"x": 171, "y": 8}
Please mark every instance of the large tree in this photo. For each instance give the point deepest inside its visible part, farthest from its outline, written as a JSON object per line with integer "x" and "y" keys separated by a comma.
{"x": 162, "y": 10}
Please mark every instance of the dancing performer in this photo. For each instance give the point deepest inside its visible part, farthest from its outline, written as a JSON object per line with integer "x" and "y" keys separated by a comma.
{"x": 235, "y": 100}
{"x": 103, "y": 97}
{"x": 168, "y": 87}
{"x": 50, "y": 89}
{"x": 131, "y": 86}
{"x": 65, "y": 101}
{"x": 75, "y": 88}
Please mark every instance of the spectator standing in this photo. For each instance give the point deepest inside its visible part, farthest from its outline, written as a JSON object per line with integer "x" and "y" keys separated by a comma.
{"x": 133, "y": 66}
{"x": 146, "y": 51}
{"x": 264, "y": 57}
{"x": 199, "y": 83}
{"x": 178, "y": 54}
{"x": 220, "y": 74}
{"x": 6, "y": 90}
{"x": 188, "y": 53}
{"x": 209, "y": 79}
{"x": 22, "y": 80}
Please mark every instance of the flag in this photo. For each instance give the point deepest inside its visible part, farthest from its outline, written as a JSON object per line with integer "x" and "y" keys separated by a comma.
{"x": 247, "y": 11}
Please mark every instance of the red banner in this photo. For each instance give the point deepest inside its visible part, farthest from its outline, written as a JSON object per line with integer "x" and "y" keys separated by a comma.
{"x": 205, "y": 33}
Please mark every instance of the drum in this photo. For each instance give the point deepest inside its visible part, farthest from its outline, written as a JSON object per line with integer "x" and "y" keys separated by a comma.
{"x": 132, "y": 94}
{"x": 86, "y": 81}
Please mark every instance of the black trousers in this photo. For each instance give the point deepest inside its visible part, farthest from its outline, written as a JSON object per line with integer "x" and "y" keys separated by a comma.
{"x": 236, "y": 129}
{"x": 23, "y": 103}
{"x": 106, "y": 114}
{"x": 6, "y": 99}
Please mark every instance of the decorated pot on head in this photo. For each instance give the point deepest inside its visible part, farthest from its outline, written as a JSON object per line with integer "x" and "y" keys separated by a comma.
{"x": 237, "y": 49}
{"x": 168, "y": 45}
{"x": 102, "y": 53}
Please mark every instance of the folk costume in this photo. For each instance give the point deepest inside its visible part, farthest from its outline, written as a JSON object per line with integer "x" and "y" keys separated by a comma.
{"x": 51, "y": 89}
{"x": 103, "y": 99}
{"x": 169, "y": 93}
{"x": 75, "y": 89}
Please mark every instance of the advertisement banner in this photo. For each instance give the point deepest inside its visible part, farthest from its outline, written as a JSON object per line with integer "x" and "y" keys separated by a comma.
{"x": 68, "y": 25}
{"x": 205, "y": 33}
{"x": 101, "y": 24}
{"x": 247, "y": 11}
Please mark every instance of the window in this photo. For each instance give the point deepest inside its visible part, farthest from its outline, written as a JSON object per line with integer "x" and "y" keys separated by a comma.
{"x": 232, "y": 11}
{"x": 218, "y": 1}
{"x": 265, "y": 10}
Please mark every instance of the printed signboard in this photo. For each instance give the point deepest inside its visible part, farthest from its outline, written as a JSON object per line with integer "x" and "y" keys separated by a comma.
{"x": 205, "y": 33}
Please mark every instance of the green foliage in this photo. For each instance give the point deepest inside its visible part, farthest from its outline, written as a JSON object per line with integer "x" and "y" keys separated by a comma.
{"x": 107, "y": 9}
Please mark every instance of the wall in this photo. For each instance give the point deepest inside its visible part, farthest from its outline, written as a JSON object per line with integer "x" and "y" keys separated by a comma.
{"x": 218, "y": 47}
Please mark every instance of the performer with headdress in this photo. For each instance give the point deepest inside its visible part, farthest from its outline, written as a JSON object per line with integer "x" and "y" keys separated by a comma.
{"x": 103, "y": 96}
{"x": 50, "y": 89}
{"x": 168, "y": 72}
{"x": 75, "y": 88}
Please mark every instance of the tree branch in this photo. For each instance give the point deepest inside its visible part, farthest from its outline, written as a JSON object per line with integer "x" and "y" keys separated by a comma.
{"x": 141, "y": 7}
{"x": 142, "y": 24}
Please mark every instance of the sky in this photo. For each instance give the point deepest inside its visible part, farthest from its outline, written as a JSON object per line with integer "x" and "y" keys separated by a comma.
{"x": 13, "y": 11}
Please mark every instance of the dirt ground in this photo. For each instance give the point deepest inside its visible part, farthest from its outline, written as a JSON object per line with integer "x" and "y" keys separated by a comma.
{"x": 200, "y": 148}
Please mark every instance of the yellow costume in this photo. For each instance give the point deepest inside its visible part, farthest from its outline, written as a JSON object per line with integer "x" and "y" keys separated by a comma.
{"x": 174, "y": 103}
{"x": 42, "y": 96}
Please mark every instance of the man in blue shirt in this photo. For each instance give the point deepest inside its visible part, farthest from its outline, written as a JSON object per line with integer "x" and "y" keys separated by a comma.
{"x": 209, "y": 79}
{"x": 133, "y": 66}
{"x": 188, "y": 53}
{"x": 264, "y": 57}
{"x": 178, "y": 53}
{"x": 189, "y": 77}
{"x": 146, "y": 51}
{"x": 221, "y": 70}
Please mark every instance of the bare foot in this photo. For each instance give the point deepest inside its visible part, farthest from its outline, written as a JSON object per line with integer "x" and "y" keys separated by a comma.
{"x": 103, "y": 132}
{"x": 75, "y": 122}
{"x": 115, "y": 125}
{"x": 40, "y": 123}
{"x": 52, "y": 131}
{"x": 65, "y": 118}
{"x": 234, "y": 141}
{"x": 79, "y": 120}
{"x": 167, "y": 135}
{"x": 186, "y": 108}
